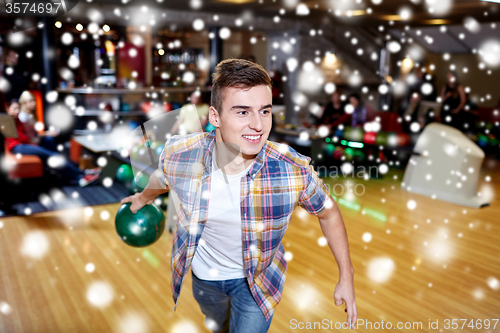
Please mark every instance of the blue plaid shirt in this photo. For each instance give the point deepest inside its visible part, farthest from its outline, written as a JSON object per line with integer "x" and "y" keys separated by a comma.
{"x": 278, "y": 181}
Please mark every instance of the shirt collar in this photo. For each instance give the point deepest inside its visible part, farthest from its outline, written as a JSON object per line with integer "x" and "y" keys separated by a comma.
{"x": 209, "y": 146}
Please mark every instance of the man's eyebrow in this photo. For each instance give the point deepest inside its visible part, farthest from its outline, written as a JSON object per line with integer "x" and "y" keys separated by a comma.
{"x": 241, "y": 107}
{"x": 246, "y": 107}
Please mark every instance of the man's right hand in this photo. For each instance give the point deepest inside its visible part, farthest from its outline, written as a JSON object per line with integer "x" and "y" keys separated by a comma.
{"x": 137, "y": 202}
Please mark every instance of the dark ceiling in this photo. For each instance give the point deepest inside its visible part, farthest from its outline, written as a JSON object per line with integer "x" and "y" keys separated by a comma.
{"x": 363, "y": 13}
{"x": 381, "y": 10}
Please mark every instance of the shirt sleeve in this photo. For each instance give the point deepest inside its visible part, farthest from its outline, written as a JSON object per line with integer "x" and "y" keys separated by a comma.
{"x": 315, "y": 194}
{"x": 162, "y": 177}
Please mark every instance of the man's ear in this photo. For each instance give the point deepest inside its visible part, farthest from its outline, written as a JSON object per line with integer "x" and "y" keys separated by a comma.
{"x": 213, "y": 117}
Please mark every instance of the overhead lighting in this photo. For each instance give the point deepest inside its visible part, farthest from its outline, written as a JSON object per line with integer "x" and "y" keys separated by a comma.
{"x": 330, "y": 61}
{"x": 236, "y": 2}
{"x": 495, "y": 1}
{"x": 391, "y": 17}
{"x": 357, "y": 12}
{"x": 407, "y": 65}
{"x": 438, "y": 21}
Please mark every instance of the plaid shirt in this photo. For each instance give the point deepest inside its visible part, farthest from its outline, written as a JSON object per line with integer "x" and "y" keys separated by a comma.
{"x": 278, "y": 181}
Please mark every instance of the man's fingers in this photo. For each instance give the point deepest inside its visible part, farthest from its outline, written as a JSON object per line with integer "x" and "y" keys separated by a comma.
{"x": 352, "y": 312}
{"x": 125, "y": 200}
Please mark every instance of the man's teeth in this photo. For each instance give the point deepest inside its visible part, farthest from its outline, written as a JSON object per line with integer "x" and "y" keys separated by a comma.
{"x": 252, "y": 137}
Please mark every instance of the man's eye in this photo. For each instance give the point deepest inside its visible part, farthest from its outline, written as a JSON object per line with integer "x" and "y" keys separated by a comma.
{"x": 265, "y": 111}
{"x": 241, "y": 112}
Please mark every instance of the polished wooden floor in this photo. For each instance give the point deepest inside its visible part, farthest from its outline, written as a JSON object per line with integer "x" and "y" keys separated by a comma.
{"x": 68, "y": 272}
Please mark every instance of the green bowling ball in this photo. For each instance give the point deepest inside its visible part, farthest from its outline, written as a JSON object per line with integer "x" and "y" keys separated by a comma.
{"x": 357, "y": 134}
{"x": 381, "y": 139}
{"x": 124, "y": 173}
{"x": 348, "y": 133}
{"x": 359, "y": 155}
{"x": 493, "y": 141}
{"x": 142, "y": 228}
{"x": 139, "y": 182}
{"x": 482, "y": 140}
{"x": 329, "y": 149}
{"x": 155, "y": 144}
{"x": 349, "y": 154}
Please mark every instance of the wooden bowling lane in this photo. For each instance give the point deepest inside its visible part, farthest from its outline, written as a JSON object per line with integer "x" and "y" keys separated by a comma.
{"x": 45, "y": 285}
{"x": 438, "y": 261}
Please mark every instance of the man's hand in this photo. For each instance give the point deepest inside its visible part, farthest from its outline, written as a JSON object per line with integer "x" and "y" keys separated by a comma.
{"x": 137, "y": 202}
{"x": 344, "y": 292}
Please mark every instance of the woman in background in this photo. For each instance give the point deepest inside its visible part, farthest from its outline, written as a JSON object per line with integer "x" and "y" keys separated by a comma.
{"x": 27, "y": 116}
{"x": 360, "y": 113}
{"x": 454, "y": 102}
{"x": 52, "y": 161}
{"x": 355, "y": 113}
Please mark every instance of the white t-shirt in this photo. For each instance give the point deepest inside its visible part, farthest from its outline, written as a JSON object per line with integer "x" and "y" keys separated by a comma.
{"x": 219, "y": 255}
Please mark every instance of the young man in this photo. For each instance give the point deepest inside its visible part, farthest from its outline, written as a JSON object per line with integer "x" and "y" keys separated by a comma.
{"x": 237, "y": 192}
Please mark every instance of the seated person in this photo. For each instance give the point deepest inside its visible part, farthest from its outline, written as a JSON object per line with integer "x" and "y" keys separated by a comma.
{"x": 332, "y": 111}
{"x": 27, "y": 116}
{"x": 356, "y": 113}
{"x": 188, "y": 122}
{"x": 23, "y": 145}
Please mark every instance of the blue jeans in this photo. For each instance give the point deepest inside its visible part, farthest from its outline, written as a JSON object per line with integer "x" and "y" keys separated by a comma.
{"x": 48, "y": 142}
{"x": 66, "y": 170}
{"x": 229, "y": 306}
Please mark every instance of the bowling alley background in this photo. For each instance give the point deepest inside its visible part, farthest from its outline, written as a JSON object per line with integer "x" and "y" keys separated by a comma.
{"x": 395, "y": 101}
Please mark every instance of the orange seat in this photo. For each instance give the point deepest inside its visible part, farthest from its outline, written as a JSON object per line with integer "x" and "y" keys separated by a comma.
{"x": 27, "y": 166}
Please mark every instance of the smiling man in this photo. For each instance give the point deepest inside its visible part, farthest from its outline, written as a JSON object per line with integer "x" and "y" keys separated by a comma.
{"x": 237, "y": 192}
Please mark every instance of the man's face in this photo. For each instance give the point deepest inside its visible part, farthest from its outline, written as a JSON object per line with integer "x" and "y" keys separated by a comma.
{"x": 335, "y": 98}
{"x": 245, "y": 119}
{"x": 12, "y": 58}
{"x": 13, "y": 109}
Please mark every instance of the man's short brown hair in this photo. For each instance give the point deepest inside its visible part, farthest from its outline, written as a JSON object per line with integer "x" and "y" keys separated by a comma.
{"x": 236, "y": 73}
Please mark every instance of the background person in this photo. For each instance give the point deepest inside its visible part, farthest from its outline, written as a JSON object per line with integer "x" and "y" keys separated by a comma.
{"x": 27, "y": 116}
{"x": 332, "y": 111}
{"x": 454, "y": 99}
{"x": 61, "y": 166}
{"x": 17, "y": 82}
{"x": 189, "y": 121}
{"x": 356, "y": 113}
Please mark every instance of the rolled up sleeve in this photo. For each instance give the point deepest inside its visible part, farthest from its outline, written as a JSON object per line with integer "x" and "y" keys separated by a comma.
{"x": 315, "y": 194}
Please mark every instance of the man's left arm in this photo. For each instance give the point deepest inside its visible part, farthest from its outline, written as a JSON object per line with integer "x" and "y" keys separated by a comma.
{"x": 316, "y": 200}
{"x": 333, "y": 228}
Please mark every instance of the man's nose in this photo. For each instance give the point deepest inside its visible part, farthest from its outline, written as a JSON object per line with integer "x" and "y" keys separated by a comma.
{"x": 256, "y": 123}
